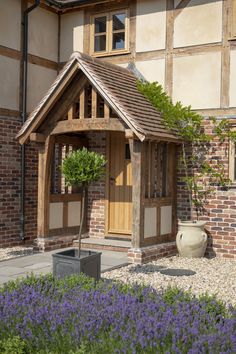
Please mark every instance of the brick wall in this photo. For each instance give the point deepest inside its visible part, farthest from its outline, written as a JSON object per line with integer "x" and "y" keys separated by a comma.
{"x": 10, "y": 185}
{"x": 220, "y": 210}
{"x": 96, "y": 192}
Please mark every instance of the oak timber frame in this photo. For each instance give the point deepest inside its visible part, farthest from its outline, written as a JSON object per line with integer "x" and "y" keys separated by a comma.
{"x": 67, "y": 124}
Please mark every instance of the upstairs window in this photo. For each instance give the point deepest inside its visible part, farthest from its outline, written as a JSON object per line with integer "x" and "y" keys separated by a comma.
{"x": 109, "y": 33}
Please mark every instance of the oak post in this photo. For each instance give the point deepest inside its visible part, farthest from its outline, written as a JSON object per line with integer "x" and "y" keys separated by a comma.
{"x": 137, "y": 160}
{"x": 44, "y": 172}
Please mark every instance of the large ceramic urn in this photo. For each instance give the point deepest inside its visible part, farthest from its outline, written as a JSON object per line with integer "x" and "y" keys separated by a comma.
{"x": 191, "y": 239}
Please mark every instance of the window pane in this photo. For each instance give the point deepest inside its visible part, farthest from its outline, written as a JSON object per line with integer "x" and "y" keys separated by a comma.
{"x": 118, "y": 22}
{"x": 100, "y": 24}
{"x": 100, "y": 43}
{"x": 118, "y": 41}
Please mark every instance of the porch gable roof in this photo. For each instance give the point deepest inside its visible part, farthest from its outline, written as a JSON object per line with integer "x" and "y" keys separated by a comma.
{"x": 117, "y": 86}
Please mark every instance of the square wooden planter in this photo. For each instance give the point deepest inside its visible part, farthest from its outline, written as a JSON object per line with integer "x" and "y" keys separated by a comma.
{"x": 67, "y": 262}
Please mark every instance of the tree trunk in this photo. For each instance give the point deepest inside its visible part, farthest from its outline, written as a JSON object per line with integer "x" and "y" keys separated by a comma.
{"x": 82, "y": 219}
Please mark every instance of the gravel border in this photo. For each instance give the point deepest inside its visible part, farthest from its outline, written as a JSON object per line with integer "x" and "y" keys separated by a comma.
{"x": 15, "y": 252}
{"x": 215, "y": 276}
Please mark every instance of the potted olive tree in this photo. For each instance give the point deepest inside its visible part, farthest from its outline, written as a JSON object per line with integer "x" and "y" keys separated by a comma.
{"x": 201, "y": 176}
{"x": 80, "y": 168}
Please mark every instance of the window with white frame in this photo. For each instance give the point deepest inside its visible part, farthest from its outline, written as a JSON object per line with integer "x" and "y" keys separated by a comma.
{"x": 109, "y": 33}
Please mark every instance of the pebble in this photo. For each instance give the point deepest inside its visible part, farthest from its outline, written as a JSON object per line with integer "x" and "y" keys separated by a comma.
{"x": 13, "y": 252}
{"x": 215, "y": 276}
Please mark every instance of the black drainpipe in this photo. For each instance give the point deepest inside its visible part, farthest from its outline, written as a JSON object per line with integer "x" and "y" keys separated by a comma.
{"x": 24, "y": 114}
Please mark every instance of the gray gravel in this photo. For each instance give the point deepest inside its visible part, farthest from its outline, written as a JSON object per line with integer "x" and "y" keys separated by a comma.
{"x": 13, "y": 252}
{"x": 215, "y": 276}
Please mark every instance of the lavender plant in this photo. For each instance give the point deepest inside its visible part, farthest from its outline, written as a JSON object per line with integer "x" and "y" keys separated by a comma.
{"x": 110, "y": 318}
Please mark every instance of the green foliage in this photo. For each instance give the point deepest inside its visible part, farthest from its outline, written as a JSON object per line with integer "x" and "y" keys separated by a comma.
{"x": 201, "y": 177}
{"x": 62, "y": 285}
{"x": 12, "y": 345}
{"x": 172, "y": 295}
{"x": 82, "y": 167}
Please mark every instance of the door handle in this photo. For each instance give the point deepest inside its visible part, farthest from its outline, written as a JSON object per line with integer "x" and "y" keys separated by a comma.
{"x": 112, "y": 179}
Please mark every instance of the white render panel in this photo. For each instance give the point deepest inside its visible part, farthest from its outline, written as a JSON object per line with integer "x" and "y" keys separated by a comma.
{"x": 150, "y": 25}
{"x": 74, "y": 210}
{"x": 10, "y": 23}
{"x": 152, "y": 70}
{"x": 166, "y": 220}
{"x": 199, "y": 23}
{"x": 72, "y": 34}
{"x": 232, "y": 88}
{"x": 196, "y": 80}
{"x": 39, "y": 81}
{"x": 150, "y": 222}
{"x": 43, "y": 34}
{"x": 56, "y": 216}
{"x": 9, "y": 78}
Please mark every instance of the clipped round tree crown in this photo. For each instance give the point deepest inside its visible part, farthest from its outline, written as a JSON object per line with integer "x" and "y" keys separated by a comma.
{"x": 82, "y": 167}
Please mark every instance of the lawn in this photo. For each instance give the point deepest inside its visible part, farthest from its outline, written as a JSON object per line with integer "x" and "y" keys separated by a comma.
{"x": 77, "y": 315}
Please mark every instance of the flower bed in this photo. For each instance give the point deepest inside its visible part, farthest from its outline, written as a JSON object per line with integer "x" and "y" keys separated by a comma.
{"x": 78, "y": 316}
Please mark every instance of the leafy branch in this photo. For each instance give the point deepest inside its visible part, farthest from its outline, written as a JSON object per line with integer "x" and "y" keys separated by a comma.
{"x": 201, "y": 177}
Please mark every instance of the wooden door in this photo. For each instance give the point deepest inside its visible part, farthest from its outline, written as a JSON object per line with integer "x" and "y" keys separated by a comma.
{"x": 120, "y": 186}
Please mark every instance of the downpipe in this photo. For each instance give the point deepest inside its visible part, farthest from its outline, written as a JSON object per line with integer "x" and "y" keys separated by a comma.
{"x": 24, "y": 114}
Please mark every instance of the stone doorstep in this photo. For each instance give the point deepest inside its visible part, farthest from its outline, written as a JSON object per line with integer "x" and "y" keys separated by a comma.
{"x": 104, "y": 244}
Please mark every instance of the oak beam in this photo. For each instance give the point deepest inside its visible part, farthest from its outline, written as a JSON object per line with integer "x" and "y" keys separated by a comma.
{"x": 225, "y": 58}
{"x": 137, "y": 160}
{"x": 169, "y": 46}
{"x": 5, "y": 112}
{"x": 63, "y": 104}
{"x": 44, "y": 174}
{"x": 81, "y": 104}
{"x": 71, "y": 140}
{"x": 37, "y": 137}
{"x": 71, "y": 112}
{"x": 106, "y": 111}
{"x": 129, "y": 134}
{"x": 94, "y": 103}
{"x": 77, "y": 125}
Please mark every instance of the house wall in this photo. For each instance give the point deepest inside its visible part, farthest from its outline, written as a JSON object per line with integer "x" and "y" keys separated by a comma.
{"x": 42, "y": 70}
{"x": 187, "y": 49}
{"x": 71, "y": 34}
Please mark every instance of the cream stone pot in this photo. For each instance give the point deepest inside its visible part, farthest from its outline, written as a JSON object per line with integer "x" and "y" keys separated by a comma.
{"x": 191, "y": 239}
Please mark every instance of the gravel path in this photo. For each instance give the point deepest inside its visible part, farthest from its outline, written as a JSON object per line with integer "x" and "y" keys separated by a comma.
{"x": 215, "y": 276}
{"x": 13, "y": 252}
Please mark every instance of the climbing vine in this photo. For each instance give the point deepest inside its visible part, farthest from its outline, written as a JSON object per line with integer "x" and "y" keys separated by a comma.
{"x": 201, "y": 176}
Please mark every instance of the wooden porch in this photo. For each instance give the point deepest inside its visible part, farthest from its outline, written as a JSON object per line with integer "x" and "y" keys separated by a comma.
{"x": 107, "y": 114}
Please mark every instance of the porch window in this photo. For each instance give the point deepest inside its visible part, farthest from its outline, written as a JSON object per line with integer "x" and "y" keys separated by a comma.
{"x": 157, "y": 165}
{"x": 109, "y": 33}
{"x": 58, "y": 184}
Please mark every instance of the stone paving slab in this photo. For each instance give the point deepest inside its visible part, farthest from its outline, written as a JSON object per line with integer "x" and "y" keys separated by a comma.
{"x": 41, "y": 263}
{"x": 38, "y": 265}
{"x": 11, "y": 270}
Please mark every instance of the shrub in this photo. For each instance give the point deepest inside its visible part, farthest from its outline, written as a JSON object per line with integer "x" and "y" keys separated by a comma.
{"x": 81, "y": 168}
{"x": 77, "y": 315}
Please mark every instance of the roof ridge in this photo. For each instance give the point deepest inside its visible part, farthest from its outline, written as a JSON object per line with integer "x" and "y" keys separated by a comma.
{"x": 82, "y": 56}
